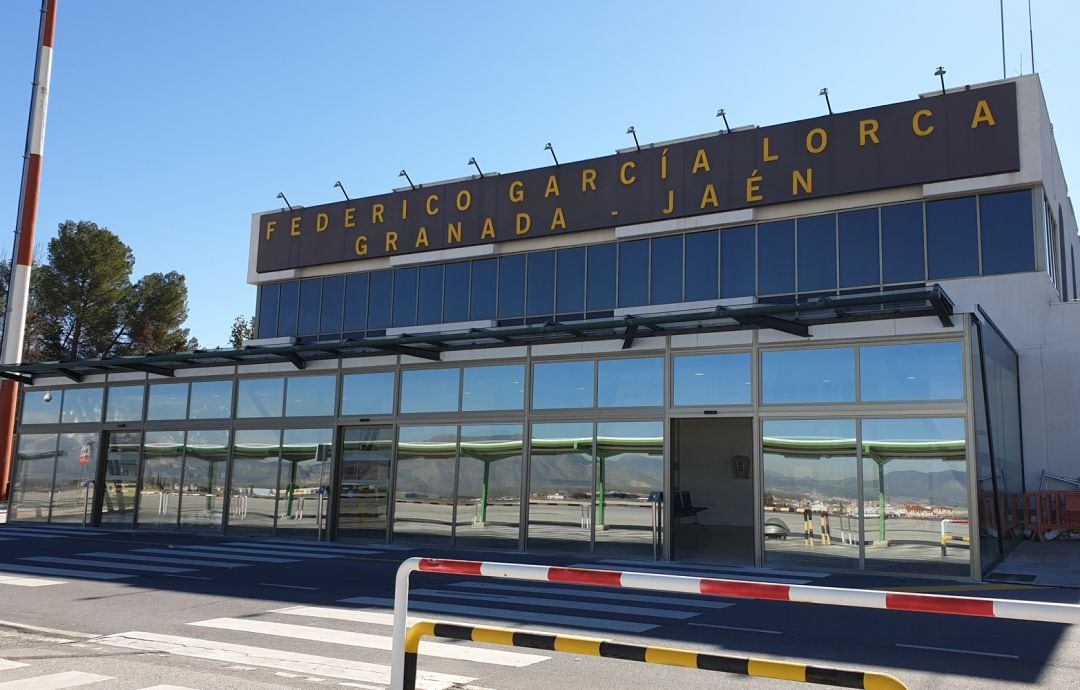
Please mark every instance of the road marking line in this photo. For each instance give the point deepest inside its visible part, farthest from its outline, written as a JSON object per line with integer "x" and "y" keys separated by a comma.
{"x": 735, "y": 627}
{"x": 651, "y": 568}
{"x": 296, "y": 662}
{"x": 263, "y": 552}
{"x": 958, "y": 651}
{"x": 351, "y": 615}
{"x": 6, "y": 664}
{"x": 190, "y": 577}
{"x": 29, "y": 581}
{"x": 22, "y": 627}
{"x": 339, "y": 546}
{"x": 556, "y": 604}
{"x": 485, "y": 613}
{"x": 23, "y": 533}
{"x": 168, "y": 687}
{"x": 118, "y": 566}
{"x": 63, "y": 572}
{"x": 275, "y": 584}
{"x": 705, "y": 568}
{"x": 201, "y": 553}
{"x": 582, "y": 592}
{"x": 55, "y": 681}
{"x": 159, "y": 559}
{"x": 53, "y": 528}
{"x": 304, "y": 549}
{"x": 369, "y": 641}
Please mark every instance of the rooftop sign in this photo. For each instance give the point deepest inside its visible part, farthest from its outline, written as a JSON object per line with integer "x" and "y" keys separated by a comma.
{"x": 961, "y": 134}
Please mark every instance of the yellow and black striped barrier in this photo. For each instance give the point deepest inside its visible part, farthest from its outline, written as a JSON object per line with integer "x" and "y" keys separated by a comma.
{"x": 591, "y": 646}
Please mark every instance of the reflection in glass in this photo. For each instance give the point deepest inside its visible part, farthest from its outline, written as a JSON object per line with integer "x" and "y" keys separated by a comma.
{"x": 1008, "y": 243}
{"x": 203, "y": 501}
{"x": 561, "y": 487}
{"x": 629, "y": 466}
{"x": 167, "y": 401}
{"x": 305, "y": 466}
{"x": 494, "y": 388}
{"x": 859, "y": 248}
{"x": 919, "y": 371}
{"x": 424, "y": 491}
{"x": 737, "y": 262}
{"x": 125, "y": 404}
{"x": 702, "y": 265}
{"x": 600, "y": 277}
{"x": 211, "y": 400}
{"x": 253, "y": 492}
{"x": 776, "y": 257}
{"x": 32, "y": 480}
{"x": 562, "y": 384}
{"x": 808, "y": 375}
{"x": 990, "y": 532}
{"x": 712, "y": 379}
{"x": 810, "y": 471}
{"x": 364, "y": 494}
{"x": 81, "y": 405}
{"x": 40, "y": 407}
{"x": 915, "y": 493}
{"x": 666, "y": 270}
{"x": 633, "y": 273}
{"x": 76, "y": 463}
{"x": 489, "y": 487}
{"x": 637, "y": 382}
{"x": 430, "y": 390}
{"x": 310, "y": 396}
{"x": 952, "y": 238}
{"x": 368, "y": 393}
{"x": 903, "y": 254}
{"x": 817, "y": 253}
{"x": 163, "y": 461}
{"x": 121, "y": 476}
{"x": 260, "y": 397}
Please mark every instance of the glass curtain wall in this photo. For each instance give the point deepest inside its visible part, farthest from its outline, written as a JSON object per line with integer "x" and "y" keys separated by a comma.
{"x": 362, "y": 493}
{"x": 254, "y": 486}
{"x": 561, "y": 487}
{"x": 31, "y": 486}
{"x": 121, "y": 476}
{"x": 629, "y": 466}
{"x": 424, "y": 490}
{"x": 488, "y": 496}
{"x": 305, "y": 468}
{"x": 76, "y": 460}
{"x": 162, "y": 477}
{"x": 202, "y": 502}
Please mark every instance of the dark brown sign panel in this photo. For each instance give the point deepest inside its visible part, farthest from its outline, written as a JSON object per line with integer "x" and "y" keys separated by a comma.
{"x": 963, "y": 134}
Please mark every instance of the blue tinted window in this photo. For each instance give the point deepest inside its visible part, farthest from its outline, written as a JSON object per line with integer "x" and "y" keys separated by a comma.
{"x": 1008, "y": 238}
{"x": 456, "y": 293}
{"x": 633, "y": 273}
{"x": 356, "y": 302}
{"x": 290, "y": 293}
{"x": 808, "y": 375}
{"x": 333, "y": 297}
{"x": 776, "y": 257}
{"x": 430, "y": 390}
{"x": 630, "y": 382}
{"x": 380, "y": 293}
{"x": 600, "y": 286}
{"x": 666, "y": 270}
{"x": 511, "y": 286}
{"x": 405, "y": 297}
{"x": 817, "y": 253}
{"x": 712, "y": 379}
{"x": 310, "y": 294}
{"x": 482, "y": 289}
{"x": 562, "y": 384}
{"x": 268, "y": 308}
{"x": 860, "y": 257}
{"x": 493, "y": 388}
{"x": 429, "y": 309}
{"x": 919, "y": 371}
{"x": 367, "y": 393}
{"x": 902, "y": 244}
{"x": 701, "y": 267}
{"x": 570, "y": 281}
{"x": 540, "y": 291}
{"x": 737, "y": 261}
{"x": 952, "y": 238}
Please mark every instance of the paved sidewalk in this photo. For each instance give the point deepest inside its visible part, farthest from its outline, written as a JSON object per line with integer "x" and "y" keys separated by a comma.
{"x": 1051, "y": 563}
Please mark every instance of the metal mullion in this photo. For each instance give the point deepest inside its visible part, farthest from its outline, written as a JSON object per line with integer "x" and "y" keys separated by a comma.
{"x": 860, "y": 492}
{"x": 454, "y": 491}
{"x": 881, "y": 247}
{"x": 978, "y": 230}
{"x": 926, "y": 244}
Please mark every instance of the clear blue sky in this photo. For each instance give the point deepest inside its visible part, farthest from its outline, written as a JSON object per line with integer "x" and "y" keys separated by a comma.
{"x": 171, "y": 121}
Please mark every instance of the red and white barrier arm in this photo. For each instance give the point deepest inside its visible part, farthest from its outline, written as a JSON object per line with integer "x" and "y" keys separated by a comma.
{"x": 806, "y": 594}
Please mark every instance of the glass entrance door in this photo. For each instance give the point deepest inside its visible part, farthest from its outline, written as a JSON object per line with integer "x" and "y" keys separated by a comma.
{"x": 361, "y": 492}
{"x": 117, "y": 480}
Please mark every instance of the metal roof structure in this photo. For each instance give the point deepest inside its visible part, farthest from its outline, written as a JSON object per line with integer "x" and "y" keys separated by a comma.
{"x": 793, "y": 317}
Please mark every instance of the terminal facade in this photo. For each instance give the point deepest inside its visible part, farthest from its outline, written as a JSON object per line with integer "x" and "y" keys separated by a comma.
{"x": 846, "y": 343}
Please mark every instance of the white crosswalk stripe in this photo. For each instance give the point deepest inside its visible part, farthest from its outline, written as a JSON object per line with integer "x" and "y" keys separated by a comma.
{"x": 200, "y": 552}
{"x": 305, "y": 549}
{"x": 116, "y": 566}
{"x": 549, "y": 603}
{"x": 23, "y": 533}
{"x": 703, "y": 568}
{"x": 7, "y": 664}
{"x": 245, "y": 550}
{"x": 664, "y": 568}
{"x": 62, "y": 572}
{"x": 621, "y": 595}
{"x": 19, "y": 581}
{"x": 335, "y": 545}
{"x": 56, "y": 681}
{"x": 146, "y": 558}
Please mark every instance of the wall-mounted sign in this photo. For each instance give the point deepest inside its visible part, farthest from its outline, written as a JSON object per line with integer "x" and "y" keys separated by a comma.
{"x": 962, "y": 134}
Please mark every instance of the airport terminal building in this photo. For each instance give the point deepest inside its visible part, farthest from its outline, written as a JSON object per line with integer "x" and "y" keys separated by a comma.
{"x": 847, "y": 343}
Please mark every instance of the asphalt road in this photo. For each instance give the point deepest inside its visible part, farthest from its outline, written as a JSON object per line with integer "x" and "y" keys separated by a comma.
{"x": 133, "y": 610}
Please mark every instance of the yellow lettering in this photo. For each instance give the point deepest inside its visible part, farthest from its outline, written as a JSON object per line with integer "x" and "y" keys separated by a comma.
{"x": 766, "y": 155}
{"x": 464, "y": 200}
{"x": 391, "y": 240}
{"x": 361, "y": 245}
{"x": 701, "y": 162}
{"x": 753, "y": 186}
{"x": 822, "y": 137}
{"x": 917, "y": 127}
{"x": 663, "y": 164}
{"x": 709, "y": 197}
{"x": 868, "y": 130}
{"x": 421, "y": 238}
{"x": 489, "y": 230}
{"x": 623, "y": 177}
{"x": 295, "y": 229}
{"x": 432, "y": 209}
{"x": 453, "y": 232}
{"x": 982, "y": 114}
{"x": 552, "y": 187}
{"x": 797, "y": 181}
{"x": 322, "y": 221}
{"x": 404, "y": 209}
{"x": 271, "y": 225}
{"x": 517, "y": 191}
{"x": 670, "y": 202}
{"x": 558, "y": 220}
{"x": 350, "y": 217}
{"x": 524, "y": 223}
{"x": 588, "y": 179}
{"x": 376, "y": 213}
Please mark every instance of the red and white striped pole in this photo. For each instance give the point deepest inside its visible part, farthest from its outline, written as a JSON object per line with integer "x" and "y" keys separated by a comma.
{"x": 19, "y": 282}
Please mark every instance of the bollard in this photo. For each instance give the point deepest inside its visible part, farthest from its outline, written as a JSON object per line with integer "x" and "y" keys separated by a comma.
{"x": 808, "y": 527}
{"x": 826, "y": 536}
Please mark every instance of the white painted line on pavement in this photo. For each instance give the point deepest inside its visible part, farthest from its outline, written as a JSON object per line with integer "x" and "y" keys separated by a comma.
{"x": 654, "y": 568}
{"x": 706, "y": 567}
{"x": 735, "y": 627}
{"x": 303, "y": 548}
{"x": 170, "y": 561}
{"x": 62, "y": 572}
{"x": 6, "y": 664}
{"x": 23, "y": 533}
{"x": 29, "y": 581}
{"x": 199, "y": 552}
{"x": 54, "y": 528}
{"x": 190, "y": 577}
{"x": 273, "y": 658}
{"x": 950, "y": 650}
{"x": 488, "y": 613}
{"x": 342, "y": 546}
{"x": 55, "y": 681}
{"x": 275, "y": 584}
{"x": 582, "y": 592}
{"x": 481, "y": 598}
{"x": 264, "y": 552}
{"x": 351, "y": 615}
{"x": 380, "y": 642}
{"x": 103, "y": 564}
{"x": 168, "y": 687}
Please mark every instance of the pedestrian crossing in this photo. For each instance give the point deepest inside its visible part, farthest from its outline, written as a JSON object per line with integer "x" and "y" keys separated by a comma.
{"x": 22, "y": 530}
{"x": 735, "y": 572}
{"x": 62, "y": 679}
